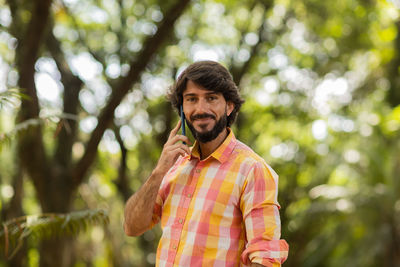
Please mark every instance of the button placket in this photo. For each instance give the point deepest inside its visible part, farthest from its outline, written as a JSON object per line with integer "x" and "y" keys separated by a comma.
{"x": 187, "y": 195}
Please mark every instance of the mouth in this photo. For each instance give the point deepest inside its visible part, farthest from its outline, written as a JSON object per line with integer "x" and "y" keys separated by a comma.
{"x": 202, "y": 117}
{"x": 203, "y": 122}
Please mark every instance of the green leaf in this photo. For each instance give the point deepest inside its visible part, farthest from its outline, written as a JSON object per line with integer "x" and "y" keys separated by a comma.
{"x": 45, "y": 226}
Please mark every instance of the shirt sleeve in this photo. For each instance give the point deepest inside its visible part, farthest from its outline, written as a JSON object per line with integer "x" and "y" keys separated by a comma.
{"x": 163, "y": 191}
{"x": 260, "y": 211}
{"x": 157, "y": 211}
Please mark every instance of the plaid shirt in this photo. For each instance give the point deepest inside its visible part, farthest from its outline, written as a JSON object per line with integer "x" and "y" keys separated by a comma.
{"x": 220, "y": 211}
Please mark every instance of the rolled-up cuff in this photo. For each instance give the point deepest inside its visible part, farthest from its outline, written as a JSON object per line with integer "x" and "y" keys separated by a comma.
{"x": 268, "y": 253}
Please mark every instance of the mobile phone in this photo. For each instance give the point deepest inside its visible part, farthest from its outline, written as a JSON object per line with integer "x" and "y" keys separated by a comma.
{"x": 182, "y": 122}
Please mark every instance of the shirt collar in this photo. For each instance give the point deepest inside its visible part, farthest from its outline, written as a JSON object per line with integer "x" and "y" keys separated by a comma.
{"x": 222, "y": 153}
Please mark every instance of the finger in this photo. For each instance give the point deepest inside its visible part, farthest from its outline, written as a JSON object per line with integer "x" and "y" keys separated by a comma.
{"x": 185, "y": 148}
{"x": 186, "y": 140}
{"x": 182, "y": 138}
{"x": 180, "y": 151}
{"x": 179, "y": 146}
{"x": 169, "y": 158}
{"x": 177, "y": 138}
{"x": 175, "y": 130}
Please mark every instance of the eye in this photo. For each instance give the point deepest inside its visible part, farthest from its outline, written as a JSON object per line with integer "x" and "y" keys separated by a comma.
{"x": 190, "y": 99}
{"x": 212, "y": 98}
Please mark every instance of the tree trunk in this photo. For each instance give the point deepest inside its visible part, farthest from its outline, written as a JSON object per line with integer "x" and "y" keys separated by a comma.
{"x": 55, "y": 176}
{"x": 393, "y": 95}
{"x": 56, "y": 252}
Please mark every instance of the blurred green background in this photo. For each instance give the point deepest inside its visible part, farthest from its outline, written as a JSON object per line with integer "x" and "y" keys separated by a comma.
{"x": 83, "y": 117}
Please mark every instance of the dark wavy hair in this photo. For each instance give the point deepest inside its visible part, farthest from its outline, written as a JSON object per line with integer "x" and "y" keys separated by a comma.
{"x": 212, "y": 76}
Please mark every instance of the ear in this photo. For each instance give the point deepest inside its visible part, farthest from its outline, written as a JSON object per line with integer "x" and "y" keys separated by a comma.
{"x": 230, "y": 106}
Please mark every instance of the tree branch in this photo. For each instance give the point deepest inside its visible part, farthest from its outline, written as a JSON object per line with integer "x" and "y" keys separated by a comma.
{"x": 238, "y": 72}
{"x": 99, "y": 56}
{"x": 72, "y": 86}
{"x": 15, "y": 28}
{"x": 150, "y": 46}
{"x": 393, "y": 96}
{"x": 121, "y": 181}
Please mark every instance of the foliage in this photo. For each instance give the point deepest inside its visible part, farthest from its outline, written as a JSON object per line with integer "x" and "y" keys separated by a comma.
{"x": 320, "y": 79}
{"x": 45, "y": 226}
{"x": 10, "y": 97}
{"x": 62, "y": 119}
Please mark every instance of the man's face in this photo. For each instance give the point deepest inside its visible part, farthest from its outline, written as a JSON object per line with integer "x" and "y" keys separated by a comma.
{"x": 206, "y": 111}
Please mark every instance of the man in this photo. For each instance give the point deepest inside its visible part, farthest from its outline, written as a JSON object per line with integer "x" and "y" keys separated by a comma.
{"x": 217, "y": 201}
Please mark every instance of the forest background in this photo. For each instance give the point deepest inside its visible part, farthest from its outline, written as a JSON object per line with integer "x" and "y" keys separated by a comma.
{"x": 84, "y": 117}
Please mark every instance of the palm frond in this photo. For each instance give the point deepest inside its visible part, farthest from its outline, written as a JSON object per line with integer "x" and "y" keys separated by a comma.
{"x": 5, "y": 138}
{"x": 11, "y": 97}
{"x": 45, "y": 226}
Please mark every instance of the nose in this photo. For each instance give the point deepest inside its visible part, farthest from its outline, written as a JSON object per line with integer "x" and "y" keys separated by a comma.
{"x": 202, "y": 106}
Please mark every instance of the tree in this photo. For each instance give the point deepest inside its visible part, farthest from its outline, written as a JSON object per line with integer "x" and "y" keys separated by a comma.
{"x": 321, "y": 86}
{"x": 56, "y": 176}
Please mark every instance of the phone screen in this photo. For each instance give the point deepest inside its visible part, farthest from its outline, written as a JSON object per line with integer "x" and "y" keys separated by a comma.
{"x": 183, "y": 121}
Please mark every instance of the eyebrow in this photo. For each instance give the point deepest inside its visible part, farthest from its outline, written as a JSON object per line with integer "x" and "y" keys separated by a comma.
{"x": 193, "y": 94}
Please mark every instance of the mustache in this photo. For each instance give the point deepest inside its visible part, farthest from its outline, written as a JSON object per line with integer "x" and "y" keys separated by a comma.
{"x": 202, "y": 116}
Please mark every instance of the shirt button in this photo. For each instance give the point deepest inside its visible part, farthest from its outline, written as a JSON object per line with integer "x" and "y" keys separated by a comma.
{"x": 180, "y": 220}
{"x": 198, "y": 170}
{"x": 174, "y": 246}
{"x": 189, "y": 195}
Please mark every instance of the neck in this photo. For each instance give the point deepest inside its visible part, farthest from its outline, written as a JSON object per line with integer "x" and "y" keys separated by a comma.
{"x": 206, "y": 149}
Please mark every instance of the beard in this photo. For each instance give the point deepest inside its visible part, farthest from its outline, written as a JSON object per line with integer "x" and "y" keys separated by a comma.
{"x": 204, "y": 137}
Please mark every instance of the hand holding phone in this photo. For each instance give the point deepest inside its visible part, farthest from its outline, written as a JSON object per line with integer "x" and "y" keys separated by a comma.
{"x": 172, "y": 149}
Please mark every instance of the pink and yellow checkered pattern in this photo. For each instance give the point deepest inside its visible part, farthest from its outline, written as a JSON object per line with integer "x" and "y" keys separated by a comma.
{"x": 220, "y": 211}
